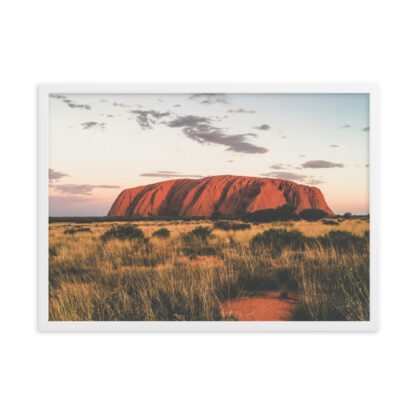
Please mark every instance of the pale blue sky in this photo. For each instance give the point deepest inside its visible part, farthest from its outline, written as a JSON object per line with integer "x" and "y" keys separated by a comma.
{"x": 103, "y": 143}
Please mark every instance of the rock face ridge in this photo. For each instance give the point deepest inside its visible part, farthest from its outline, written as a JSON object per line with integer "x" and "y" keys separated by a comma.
{"x": 227, "y": 195}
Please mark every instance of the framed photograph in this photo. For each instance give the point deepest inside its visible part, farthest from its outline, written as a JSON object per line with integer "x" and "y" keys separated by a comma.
{"x": 208, "y": 207}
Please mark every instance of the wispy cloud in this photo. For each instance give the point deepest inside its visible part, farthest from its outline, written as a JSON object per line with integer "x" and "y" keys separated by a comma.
{"x": 201, "y": 130}
{"x": 280, "y": 172}
{"x": 91, "y": 124}
{"x": 278, "y": 166}
{"x": 295, "y": 177}
{"x": 69, "y": 102}
{"x": 147, "y": 119}
{"x": 241, "y": 111}
{"x": 189, "y": 121}
{"x": 313, "y": 182}
{"x": 320, "y": 164}
{"x": 57, "y": 96}
{"x": 287, "y": 176}
{"x": 168, "y": 174}
{"x": 75, "y": 105}
{"x": 72, "y": 189}
{"x": 61, "y": 200}
{"x": 209, "y": 98}
{"x": 117, "y": 104}
{"x": 54, "y": 175}
{"x": 262, "y": 127}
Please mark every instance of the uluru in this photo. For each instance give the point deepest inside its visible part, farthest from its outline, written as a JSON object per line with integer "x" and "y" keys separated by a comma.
{"x": 226, "y": 195}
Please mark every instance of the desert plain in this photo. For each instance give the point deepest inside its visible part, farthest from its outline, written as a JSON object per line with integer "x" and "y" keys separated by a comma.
{"x": 209, "y": 270}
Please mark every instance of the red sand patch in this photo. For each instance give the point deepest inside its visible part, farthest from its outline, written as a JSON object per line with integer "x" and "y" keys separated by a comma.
{"x": 261, "y": 306}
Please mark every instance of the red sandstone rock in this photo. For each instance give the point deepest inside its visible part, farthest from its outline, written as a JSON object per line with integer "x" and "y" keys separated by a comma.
{"x": 228, "y": 195}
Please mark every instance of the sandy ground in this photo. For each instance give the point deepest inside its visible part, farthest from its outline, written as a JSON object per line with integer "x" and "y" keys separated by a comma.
{"x": 261, "y": 306}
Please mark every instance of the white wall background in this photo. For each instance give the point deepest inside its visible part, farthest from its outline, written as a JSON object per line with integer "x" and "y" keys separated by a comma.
{"x": 206, "y": 374}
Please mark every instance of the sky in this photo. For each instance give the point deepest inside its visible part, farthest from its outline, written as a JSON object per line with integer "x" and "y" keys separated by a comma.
{"x": 101, "y": 144}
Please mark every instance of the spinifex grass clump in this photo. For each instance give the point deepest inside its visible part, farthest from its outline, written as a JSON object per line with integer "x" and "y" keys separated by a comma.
{"x": 343, "y": 240}
{"x": 279, "y": 239}
{"x": 231, "y": 226}
{"x": 197, "y": 242}
{"x": 161, "y": 233}
{"x": 330, "y": 222}
{"x": 199, "y": 233}
{"x": 123, "y": 232}
{"x": 77, "y": 230}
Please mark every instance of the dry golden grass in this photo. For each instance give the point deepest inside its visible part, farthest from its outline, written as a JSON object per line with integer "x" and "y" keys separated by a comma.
{"x": 169, "y": 279}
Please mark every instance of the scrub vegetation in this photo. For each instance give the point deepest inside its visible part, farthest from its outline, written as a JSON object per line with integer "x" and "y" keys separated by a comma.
{"x": 186, "y": 270}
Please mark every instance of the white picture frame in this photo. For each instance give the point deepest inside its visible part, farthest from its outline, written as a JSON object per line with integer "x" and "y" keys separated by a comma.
{"x": 45, "y": 90}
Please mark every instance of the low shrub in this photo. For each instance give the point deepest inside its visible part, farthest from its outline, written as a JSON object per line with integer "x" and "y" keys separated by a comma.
{"x": 283, "y": 213}
{"x": 286, "y": 213}
{"x": 223, "y": 225}
{"x": 330, "y": 222}
{"x": 240, "y": 226}
{"x": 231, "y": 226}
{"x": 196, "y": 242}
{"x": 199, "y": 233}
{"x": 278, "y": 239}
{"x": 343, "y": 240}
{"x": 123, "y": 232}
{"x": 77, "y": 230}
{"x": 161, "y": 233}
{"x": 313, "y": 214}
{"x": 193, "y": 252}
